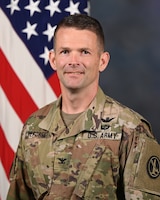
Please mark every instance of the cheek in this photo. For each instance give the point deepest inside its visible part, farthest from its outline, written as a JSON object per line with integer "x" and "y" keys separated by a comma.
{"x": 59, "y": 63}
{"x": 62, "y": 60}
{"x": 94, "y": 66}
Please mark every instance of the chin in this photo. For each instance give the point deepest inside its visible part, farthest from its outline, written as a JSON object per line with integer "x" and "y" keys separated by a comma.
{"x": 74, "y": 89}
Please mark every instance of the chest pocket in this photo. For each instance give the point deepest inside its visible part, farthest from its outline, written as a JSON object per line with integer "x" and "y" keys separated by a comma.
{"x": 96, "y": 179}
{"x": 38, "y": 163}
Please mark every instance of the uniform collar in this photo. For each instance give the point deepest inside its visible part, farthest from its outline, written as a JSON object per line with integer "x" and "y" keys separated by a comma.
{"x": 90, "y": 120}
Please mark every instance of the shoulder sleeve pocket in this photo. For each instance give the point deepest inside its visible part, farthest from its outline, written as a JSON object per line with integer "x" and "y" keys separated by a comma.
{"x": 144, "y": 164}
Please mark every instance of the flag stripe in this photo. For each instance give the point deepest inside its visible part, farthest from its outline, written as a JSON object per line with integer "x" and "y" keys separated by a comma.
{"x": 24, "y": 66}
{"x": 10, "y": 122}
{"x": 4, "y": 183}
{"x": 7, "y": 155}
{"x": 17, "y": 94}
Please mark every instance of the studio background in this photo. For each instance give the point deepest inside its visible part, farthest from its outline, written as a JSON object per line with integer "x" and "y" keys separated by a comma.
{"x": 132, "y": 33}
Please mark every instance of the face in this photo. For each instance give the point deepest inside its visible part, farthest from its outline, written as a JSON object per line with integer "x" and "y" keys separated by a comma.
{"x": 77, "y": 58}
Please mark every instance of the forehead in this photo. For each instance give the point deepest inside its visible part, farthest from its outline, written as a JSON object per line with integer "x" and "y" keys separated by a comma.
{"x": 69, "y": 31}
{"x": 74, "y": 35}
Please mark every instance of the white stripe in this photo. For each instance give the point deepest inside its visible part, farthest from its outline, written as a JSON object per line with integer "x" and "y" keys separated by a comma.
{"x": 24, "y": 65}
{"x": 10, "y": 122}
{"x": 4, "y": 183}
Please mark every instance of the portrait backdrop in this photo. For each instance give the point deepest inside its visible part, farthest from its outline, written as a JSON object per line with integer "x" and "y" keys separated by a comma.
{"x": 132, "y": 34}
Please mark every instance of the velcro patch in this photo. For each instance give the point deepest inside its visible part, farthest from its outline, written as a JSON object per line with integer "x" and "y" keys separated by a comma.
{"x": 153, "y": 167}
{"x": 148, "y": 169}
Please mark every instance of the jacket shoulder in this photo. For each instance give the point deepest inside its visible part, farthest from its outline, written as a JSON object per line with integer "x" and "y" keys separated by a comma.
{"x": 36, "y": 117}
{"x": 44, "y": 110}
{"x": 125, "y": 116}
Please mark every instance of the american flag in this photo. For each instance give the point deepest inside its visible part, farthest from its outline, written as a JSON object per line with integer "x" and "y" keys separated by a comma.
{"x": 27, "y": 81}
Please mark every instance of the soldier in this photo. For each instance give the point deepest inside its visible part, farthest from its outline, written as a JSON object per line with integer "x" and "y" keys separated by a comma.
{"x": 85, "y": 145}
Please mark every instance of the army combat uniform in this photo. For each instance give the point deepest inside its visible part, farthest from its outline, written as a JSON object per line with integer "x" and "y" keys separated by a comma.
{"x": 107, "y": 152}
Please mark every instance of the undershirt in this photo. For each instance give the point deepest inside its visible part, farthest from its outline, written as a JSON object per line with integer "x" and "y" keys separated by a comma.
{"x": 69, "y": 118}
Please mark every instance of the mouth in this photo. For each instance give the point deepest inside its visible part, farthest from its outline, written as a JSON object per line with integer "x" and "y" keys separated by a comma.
{"x": 73, "y": 72}
{"x": 74, "y": 69}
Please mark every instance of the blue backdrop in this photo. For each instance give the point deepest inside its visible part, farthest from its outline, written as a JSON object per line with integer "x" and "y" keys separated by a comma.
{"x": 132, "y": 32}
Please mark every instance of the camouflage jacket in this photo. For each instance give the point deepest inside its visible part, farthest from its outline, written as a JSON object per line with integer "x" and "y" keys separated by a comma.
{"x": 108, "y": 153}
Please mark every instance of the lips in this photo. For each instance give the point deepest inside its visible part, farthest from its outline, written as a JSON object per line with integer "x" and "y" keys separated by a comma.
{"x": 75, "y": 72}
{"x": 74, "y": 69}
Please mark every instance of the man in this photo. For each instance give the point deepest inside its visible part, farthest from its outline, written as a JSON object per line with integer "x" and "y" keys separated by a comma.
{"x": 85, "y": 145}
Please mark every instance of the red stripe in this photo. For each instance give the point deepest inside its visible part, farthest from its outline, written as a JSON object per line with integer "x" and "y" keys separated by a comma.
{"x": 54, "y": 82}
{"x": 18, "y": 96}
{"x": 6, "y": 153}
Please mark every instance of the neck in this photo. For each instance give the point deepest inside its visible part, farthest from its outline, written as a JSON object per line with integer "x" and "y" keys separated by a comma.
{"x": 77, "y": 101}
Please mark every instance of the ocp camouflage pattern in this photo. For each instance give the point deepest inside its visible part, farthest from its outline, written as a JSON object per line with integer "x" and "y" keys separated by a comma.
{"x": 103, "y": 154}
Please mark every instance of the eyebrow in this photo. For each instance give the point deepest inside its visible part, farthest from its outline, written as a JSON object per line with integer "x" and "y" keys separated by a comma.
{"x": 79, "y": 49}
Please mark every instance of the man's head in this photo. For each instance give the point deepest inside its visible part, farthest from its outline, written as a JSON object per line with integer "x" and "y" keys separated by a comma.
{"x": 82, "y": 22}
{"x": 78, "y": 54}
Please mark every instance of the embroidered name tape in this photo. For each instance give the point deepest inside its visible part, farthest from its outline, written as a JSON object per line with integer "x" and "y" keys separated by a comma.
{"x": 102, "y": 135}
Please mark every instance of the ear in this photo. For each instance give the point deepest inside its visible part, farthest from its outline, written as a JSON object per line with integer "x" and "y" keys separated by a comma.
{"x": 52, "y": 59}
{"x": 104, "y": 60}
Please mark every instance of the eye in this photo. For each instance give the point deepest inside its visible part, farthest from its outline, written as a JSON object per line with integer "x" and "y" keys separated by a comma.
{"x": 85, "y": 51}
{"x": 65, "y": 51}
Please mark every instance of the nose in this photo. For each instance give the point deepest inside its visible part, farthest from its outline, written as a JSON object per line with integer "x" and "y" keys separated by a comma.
{"x": 74, "y": 59}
